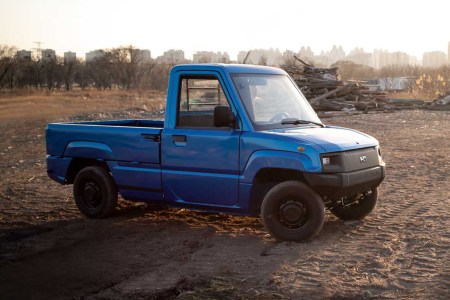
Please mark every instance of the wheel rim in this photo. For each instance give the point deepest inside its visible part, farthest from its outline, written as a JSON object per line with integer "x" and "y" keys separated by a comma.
{"x": 292, "y": 214}
{"x": 91, "y": 194}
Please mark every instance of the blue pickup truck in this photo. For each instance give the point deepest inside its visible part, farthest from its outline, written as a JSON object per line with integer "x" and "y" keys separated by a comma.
{"x": 236, "y": 139}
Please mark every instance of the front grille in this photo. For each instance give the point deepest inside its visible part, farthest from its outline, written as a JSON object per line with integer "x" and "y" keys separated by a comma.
{"x": 349, "y": 161}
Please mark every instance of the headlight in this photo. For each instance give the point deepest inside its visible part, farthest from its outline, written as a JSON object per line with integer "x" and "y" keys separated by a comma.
{"x": 330, "y": 161}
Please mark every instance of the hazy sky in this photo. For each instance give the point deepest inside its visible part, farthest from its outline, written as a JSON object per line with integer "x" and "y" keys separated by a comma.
{"x": 228, "y": 25}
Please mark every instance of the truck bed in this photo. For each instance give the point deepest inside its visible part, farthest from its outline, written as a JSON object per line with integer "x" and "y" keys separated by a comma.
{"x": 121, "y": 140}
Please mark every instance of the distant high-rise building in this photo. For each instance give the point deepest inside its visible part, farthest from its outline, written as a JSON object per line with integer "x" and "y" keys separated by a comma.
{"x": 24, "y": 54}
{"x": 210, "y": 57}
{"x": 306, "y": 53}
{"x": 358, "y": 56}
{"x": 448, "y": 53}
{"x": 141, "y": 56}
{"x": 400, "y": 58}
{"x": 270, "y": 57}
{"x": 144, "y": 56}
{"x": 48, "y": 54}
{"x": 288, "y": 57}
{"x": 336, "y": 54}
{"x": 433, "y": 59}
{"x": 172, "y": 57}
{"x": 322, "y": 60}
{"x": 69, "y": 57}
{"x": 413, "y": 61}
{"x": 241, "y": 56}
{"x": 92, "y": 55}
{"x": 381, "y": 58}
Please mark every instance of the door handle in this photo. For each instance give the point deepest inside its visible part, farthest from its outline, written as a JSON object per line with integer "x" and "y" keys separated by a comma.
{"x": 150, "y": 137}
{"x": 179, "y": 140}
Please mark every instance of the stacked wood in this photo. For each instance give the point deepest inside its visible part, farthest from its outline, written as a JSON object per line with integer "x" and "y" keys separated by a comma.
{"x": 326, "y": 93}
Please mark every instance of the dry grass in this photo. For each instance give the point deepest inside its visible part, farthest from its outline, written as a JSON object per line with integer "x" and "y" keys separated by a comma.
{"x": 411, "y": 95}
{"x": 44, "y": 105}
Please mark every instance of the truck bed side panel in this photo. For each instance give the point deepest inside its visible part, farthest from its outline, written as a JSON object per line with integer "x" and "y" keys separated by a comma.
{"x": 131, "y": 152}
{"x": 129, "y": 144}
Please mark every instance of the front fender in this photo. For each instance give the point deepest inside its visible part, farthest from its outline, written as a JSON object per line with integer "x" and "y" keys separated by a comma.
{"x": 277, "y": 159}
{"x": 88, "y": 150}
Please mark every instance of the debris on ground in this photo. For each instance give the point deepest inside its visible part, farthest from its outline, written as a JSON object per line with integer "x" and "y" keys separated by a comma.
{"x": 326, "y": 92}
{"x": 441, "y": 103}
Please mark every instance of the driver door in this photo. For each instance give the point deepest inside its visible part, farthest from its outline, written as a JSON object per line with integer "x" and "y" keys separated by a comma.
{"x": 200, "y": 162}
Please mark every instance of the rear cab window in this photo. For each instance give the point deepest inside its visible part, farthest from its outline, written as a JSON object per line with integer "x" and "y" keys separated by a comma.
{"x": 198, "y": 96}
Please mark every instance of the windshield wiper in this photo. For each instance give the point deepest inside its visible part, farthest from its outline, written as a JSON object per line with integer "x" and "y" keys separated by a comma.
{"x": 298, "y": 122}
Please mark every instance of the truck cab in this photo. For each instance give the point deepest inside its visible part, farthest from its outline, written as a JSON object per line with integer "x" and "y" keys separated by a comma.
{"x": 236, "y": 138}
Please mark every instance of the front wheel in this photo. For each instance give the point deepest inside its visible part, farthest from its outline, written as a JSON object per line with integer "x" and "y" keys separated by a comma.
{"x": 356, "y": 207}
{"x": 95, "y": 192}
{"x": 291, "y": 211}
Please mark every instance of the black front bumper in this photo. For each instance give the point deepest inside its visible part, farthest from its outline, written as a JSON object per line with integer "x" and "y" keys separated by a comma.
{"x": 335, "y": 185}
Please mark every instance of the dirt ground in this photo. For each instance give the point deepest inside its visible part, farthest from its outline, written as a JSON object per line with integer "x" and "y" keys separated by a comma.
{"x": 49, "y": 250}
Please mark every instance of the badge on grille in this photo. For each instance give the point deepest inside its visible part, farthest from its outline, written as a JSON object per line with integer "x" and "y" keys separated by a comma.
{"x": 363, "y": 159}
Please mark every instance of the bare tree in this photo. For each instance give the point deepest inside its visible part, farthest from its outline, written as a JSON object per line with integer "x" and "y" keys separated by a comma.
{"x": 81, "y": 76}
{"x": 158, "y": 77}
{"x": 8, "y": 65}
{"x": 350, "y": 70}
{"x": 130, "y": 67}
{"x": 25, "y": 74}
{"x": 100, "y": 70}
{"x": 52, "y": 69}
{"x": 38, "y": 73}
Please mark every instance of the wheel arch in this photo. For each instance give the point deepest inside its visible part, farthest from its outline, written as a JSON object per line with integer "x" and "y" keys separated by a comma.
{"x": 78, "y": 163}
{"x": 267, "y": 178}
{"x": 275, "y": 159}
{"x": 85, "y": 154}
{"x": 91, "y": 150}
{"x": 266, "y": 168}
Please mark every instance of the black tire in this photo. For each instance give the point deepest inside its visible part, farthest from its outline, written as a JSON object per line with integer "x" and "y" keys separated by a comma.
{"x": 95, "y": 192}
{"x": 357, "y": 209}
{"x": 292, "y": 211}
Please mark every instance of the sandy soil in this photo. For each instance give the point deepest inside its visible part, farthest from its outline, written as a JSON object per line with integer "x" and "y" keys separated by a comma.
{"x": 49, "y": 250}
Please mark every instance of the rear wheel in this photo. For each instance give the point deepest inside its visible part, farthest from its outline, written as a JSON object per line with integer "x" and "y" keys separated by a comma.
{"x": 291, "y": 211}
{"x": 356, "y": 207}
{"x": 95, "y": 192}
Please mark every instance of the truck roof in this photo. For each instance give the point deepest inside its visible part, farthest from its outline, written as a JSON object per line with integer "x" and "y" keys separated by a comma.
{"x": 230, "y": 68}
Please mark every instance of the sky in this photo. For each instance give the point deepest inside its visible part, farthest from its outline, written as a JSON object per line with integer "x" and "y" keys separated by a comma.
{"x": 412, "y": 26}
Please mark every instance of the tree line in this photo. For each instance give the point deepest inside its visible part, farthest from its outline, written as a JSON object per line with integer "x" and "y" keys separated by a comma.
{"x": 124, "y": 68}
{"x": 121, "y": 67}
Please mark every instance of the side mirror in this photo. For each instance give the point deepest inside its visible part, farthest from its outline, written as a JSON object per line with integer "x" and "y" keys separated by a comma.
{"x": 223, "y": 117}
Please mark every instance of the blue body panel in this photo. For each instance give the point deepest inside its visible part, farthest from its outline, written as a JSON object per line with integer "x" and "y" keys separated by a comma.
{"x": 210, "y": 169}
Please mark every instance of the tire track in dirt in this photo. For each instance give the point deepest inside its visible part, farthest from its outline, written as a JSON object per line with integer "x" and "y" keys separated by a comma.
{"x": 392, "y": 245}
{"x": 375, "y": 246}
{"x": 399, "y": 251}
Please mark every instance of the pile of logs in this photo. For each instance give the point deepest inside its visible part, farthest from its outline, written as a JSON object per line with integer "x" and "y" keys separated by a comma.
{"x": 326, "y": 93}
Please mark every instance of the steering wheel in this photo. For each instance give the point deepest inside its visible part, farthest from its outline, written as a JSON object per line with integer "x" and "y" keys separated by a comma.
{"x": 279, "y": 117}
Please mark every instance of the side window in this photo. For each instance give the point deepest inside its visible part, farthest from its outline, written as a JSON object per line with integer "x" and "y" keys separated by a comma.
{"x": 198, "y": 96}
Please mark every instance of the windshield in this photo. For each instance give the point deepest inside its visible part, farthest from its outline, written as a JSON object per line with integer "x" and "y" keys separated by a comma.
{"x": 270, "y": 99}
